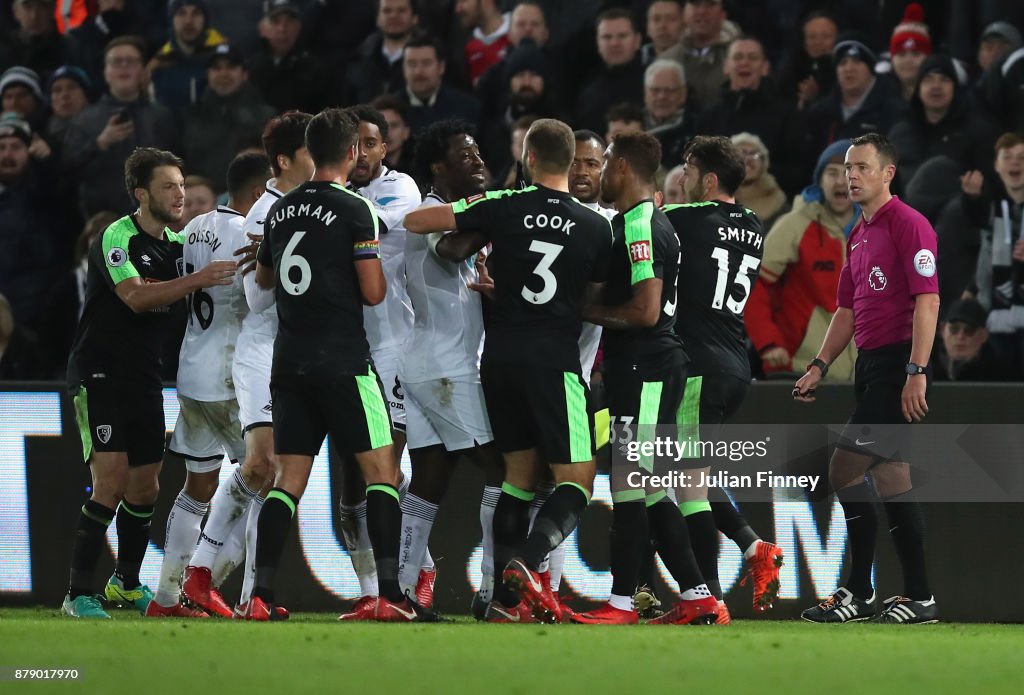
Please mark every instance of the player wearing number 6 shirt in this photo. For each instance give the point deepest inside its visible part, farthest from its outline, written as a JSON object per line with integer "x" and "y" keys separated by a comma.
{"x": 547, "y": 248}
{"x": 722, "y": 244}
{"x": 889, "y": 304}
{"x": 644, "y": 378}
{"x": 321, "y": 256}
{"x": 207, "y": 425}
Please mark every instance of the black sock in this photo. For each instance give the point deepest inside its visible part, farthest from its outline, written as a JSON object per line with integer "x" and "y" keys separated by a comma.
{"x": 554, "y": 522}
{"x": 511, "y": 522}
{"x": 271, "y": 531}
{"x": 647, "y": 553}
{"x": 384, "y": 526}
{"x": 133, "y": 522}
{"x": 672, "y": 538}
{"x": 704, "y": 537}
{"x": 729, "y": 521}
{"x": 630, "y": 540}
{"x": 906, "y": 525}
{"x": 89, "y": 538}
{"x": 862, "y": 528}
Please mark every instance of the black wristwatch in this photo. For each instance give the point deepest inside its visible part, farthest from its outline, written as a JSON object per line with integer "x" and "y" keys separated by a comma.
{"x": 820, "y": 364}
{"x": 914, "y": 369}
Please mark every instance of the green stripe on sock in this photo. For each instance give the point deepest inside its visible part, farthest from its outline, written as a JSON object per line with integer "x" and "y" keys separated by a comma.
{"x": 383, "y": 488}
{"x": 694, "y": 507}
{"x": 578, "y": 487}
{"x": 628, "y": 496}
{"x": 523, "y": 495}
{"x": 279, "y": 495}
{"x": 375, "y": 409}
{"x": 580, "y": 443}
{"x": 688, "y": 416}
{"x": 81, "y": 403}
{"x": 650, "y": 405}
{"x": 655, "y": 497}
{"x": 136, "y": 514}
{"x": 97, "y": 519}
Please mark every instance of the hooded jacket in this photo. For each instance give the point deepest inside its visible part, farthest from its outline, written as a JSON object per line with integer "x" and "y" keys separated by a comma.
{"x": 794, "y": 298}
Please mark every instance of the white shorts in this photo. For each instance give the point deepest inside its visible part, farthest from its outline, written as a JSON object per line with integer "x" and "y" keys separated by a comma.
{"x": 251, "y": 373}
{"x": 386, "y": 363}
{"x": 204, "y": 432}
{"x": 447, "y": 411}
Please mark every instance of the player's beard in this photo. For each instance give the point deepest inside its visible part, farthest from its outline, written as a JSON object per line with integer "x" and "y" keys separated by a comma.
{"x": 165, "y": 215}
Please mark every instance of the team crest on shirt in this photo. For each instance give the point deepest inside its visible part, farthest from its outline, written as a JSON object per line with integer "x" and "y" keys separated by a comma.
{"x": 924, "y": 263}
{"x": 640, "y": 251}
{"x": 103, "y": 433}
{"x": 117, "y": 257}
{"x": 877, "y": 280}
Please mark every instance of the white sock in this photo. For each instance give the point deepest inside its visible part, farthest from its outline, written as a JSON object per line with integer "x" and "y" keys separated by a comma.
{"x": 417, "y": 520}
{"x": 360, "y": 550}
{"x": 697, "y": 592}
{"x": 556, "y": 561}
{"x": 488, "y": 502}
{"x": 252, "y": 522}
{"x": 232, "y": 554}
{"x": 403, "y": 486}
{"x": 751, "y": 550}
{"x": 623, "y": 603}
{"x": 228, "y": 505}
{"x": 428, "y": 559}
{"x": 182, "y": 533}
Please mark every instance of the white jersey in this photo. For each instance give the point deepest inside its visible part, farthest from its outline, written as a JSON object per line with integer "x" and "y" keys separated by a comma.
{"x": 215, "y": 314}
{"x": 447, "y": 333}
{"x": 393, "y": 194}
{"x": 261, "y": 323}
{"x": 590, "y": 335}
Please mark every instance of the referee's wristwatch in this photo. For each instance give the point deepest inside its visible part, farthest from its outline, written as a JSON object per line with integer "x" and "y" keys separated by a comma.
{"x": 822, "y": 366}
{"x": 914, "y": 369}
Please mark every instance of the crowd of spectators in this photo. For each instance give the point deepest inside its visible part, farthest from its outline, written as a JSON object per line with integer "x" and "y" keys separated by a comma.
{"x": 84, "y": 82}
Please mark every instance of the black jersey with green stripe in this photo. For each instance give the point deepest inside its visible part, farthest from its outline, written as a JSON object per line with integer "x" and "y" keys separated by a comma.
{"x": 645, "y": 246}
{"x": 546, "y": 246}
{"x": 111, "y": 338}
{"x": 313, "y": 237}
{"x": 722, "y": 245}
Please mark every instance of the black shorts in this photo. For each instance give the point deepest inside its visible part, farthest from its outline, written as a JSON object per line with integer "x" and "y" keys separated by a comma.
{"x": 708, "y": 402}
{"x": 535, "y": 408}
{"x": 351, "y": 408}
{"x": 877, "y": 427}
{"x": 116, "y": 414}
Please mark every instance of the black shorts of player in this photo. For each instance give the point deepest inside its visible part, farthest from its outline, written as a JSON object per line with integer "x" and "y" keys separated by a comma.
{"x": 349, "y": 407}
{"x": 877, "y": 427}
{"x": 120, "y": 414}
{"x": 535, "y": 408}
{"x": 640, "y": 399}
{"x": 709, "y": 401}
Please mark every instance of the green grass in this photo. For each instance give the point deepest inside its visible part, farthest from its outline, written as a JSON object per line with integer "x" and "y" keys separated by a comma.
{"x": 314, "y": 653}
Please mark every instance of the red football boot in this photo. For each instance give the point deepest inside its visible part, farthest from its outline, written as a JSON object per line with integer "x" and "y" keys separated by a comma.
{"x": 197, "y": 589}
{"x": 723, "y": 614}
{"x": 425, "y": 587}
{"x": 532, "y": 590}
{"x": 764, "y": 569}
{"x": 702, "y": 611}
{"x": 178, "y": 610}
{"x": 257, "y": 609}
{"x": 606, "y": 615}
{"x": 567, "y": 613}
{"x": 363, "y": 609}
{"x": 520, "y": 613}
{"x": 280, "y": 612}
{"x": 394, "y": 612}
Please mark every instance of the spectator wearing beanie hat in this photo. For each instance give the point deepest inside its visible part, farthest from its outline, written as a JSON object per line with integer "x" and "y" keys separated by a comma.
{"x": 941, "y": 123}
{"x": 997, "y": 41}
{"x": 859, "y": 103}
{"x": 70, "y": 90}
{"x": 178, "y": 69}
{"x": 910, "y": 45}
{"x": 20, "y": 93}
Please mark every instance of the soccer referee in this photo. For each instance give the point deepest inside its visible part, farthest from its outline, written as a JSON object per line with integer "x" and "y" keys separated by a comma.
{"x": 889, "y": 303}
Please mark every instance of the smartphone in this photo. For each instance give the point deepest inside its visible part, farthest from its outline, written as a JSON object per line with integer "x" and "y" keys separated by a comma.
{"x": 124, "y": 115}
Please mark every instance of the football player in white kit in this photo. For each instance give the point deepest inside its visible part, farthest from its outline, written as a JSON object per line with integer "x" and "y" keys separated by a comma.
{"x": 440, "y": 367}
{"x": 207, "y": 425}
{"x": 240, "y": 500}
{"x": 387, "y": 325}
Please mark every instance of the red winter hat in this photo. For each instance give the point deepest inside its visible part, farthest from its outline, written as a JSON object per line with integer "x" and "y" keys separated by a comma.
{"x": 912, "y": 33}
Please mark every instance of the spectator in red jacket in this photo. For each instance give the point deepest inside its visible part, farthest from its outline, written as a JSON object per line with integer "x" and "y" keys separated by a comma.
{"x": 794, "y": 298}
{"x": 489, "y": 41}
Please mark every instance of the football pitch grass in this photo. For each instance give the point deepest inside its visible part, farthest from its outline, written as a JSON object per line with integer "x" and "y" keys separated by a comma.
{"x": 314, "y": 653}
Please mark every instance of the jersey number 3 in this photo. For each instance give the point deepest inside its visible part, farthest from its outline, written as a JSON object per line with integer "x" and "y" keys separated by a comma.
{"x": 549, "y": 252}
{"x": 748, "y": 265}
{"x": 292, "y": 261}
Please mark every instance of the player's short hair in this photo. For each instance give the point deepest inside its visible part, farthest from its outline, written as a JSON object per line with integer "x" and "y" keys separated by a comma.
{"x": 421, "y": 39}
{"x": 583, "y": 135}
{"x": 617, "y": 13}
{"x": 246, "y": 171}
{"x": 641, "y": 151}
{"x": 884, "y": 148}
{"x": 365, "y": 112}
{"x": 715, "y": 154}
{"x": 140, "y": 165}
{"x": 330, "y": 134}
{"x": 625, "y": 112}
{"x": 553, "y": 145}
{"x": 432, "y": 146}
{"x": 285, "y": 135}
{"x": 1007, "y": 141}
{"x": 387, "y": 102}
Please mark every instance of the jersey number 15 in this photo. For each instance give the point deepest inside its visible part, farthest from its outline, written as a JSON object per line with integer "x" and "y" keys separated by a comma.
{"x": 747, "y": 267}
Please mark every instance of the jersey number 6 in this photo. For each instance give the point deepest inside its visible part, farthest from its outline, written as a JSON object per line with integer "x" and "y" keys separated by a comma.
{"x": 549, "y": 252}
{"x": 291, "y": 260}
